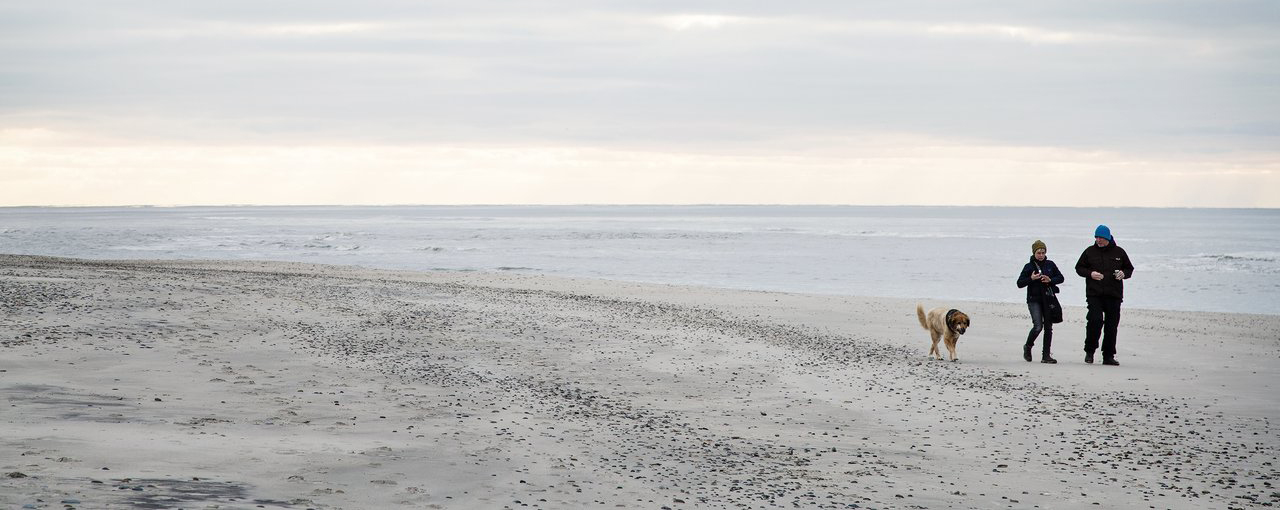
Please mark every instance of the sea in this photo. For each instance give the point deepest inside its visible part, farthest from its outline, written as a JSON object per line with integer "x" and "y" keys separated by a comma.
{"x": 1218, "y": 260}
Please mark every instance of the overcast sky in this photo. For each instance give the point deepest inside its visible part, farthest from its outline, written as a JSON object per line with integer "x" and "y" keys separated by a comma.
{"x": 1075, "y": 103}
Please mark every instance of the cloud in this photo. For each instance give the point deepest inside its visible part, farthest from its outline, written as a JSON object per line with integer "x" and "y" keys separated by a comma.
{"x": 228, "y": 30}
{"x": 699, "y": 21}
{"x": 1021, "y": 33}
{"x": 307, "y": 29}
{"x": 1131, "y": 79}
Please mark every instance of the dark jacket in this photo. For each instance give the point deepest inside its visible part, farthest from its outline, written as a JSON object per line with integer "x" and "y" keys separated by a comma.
{"x": 1035, "y": 289}
{"x": 1106, "y": 261}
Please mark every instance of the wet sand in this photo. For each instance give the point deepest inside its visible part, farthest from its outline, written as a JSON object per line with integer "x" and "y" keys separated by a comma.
{"x": 198, "y": 384}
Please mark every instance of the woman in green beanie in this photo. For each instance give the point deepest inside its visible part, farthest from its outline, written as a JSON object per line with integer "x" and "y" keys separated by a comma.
{"x": 1040, "y": 277}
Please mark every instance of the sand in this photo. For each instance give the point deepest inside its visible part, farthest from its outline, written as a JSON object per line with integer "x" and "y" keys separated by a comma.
{"x": 205, "y": 384}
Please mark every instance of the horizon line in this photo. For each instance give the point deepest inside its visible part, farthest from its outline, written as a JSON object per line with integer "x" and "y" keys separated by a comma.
{"x": 178, "y": 206}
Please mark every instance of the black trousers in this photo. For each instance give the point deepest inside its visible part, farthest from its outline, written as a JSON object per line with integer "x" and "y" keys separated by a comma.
{"x": 1038, "y": 323}
{"x": 1104, "y": 319}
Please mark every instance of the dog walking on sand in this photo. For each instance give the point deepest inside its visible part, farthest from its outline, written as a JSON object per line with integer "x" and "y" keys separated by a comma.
{"x": 943, "y": 324}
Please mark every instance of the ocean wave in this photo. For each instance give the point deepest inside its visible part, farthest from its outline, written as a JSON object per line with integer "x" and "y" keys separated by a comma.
{"x": 639, "y": 235}
{"x": 312, "y": 245}
{"x": 333, "y": 236}
{"x": 1261, "y": 263}
{"x": 1241, "y": 259}
{"x": 925, "y": 235}
{"x": 333, "y": 247}
{"x": 143, "y": 248}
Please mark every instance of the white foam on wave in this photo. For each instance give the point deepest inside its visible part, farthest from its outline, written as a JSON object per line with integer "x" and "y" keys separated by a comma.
{"x": 1256, "y": 262}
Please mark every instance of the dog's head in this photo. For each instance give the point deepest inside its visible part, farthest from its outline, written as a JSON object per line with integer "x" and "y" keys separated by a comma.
{"x": 958, "y": 321}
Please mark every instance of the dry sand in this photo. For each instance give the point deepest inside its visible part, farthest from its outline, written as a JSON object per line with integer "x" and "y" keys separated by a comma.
{"x": 273, "y": 385}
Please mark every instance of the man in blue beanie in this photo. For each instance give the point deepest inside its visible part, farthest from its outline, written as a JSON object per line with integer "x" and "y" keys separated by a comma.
{"x": 1104, "y": 266}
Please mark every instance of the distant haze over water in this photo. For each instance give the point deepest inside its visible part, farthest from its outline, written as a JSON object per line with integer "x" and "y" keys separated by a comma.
{"x": 1224, "y": 260}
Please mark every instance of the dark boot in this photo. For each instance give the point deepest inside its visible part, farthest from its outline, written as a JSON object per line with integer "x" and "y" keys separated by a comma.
{"x": 1044, "y": 350}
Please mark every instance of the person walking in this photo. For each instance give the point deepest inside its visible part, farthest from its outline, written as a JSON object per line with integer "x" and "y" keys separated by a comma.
{"x": 1040, "y": 277}
{"x": 1105, "y": 266}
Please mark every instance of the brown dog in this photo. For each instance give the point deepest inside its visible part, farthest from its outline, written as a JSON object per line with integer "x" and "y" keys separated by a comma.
{"x": 945, "y": 324}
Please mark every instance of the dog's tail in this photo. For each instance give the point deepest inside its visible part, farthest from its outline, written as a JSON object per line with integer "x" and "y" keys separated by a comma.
{"x": 920, "y": 315}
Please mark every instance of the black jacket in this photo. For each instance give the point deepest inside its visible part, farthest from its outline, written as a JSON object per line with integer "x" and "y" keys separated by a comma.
{"x": 1106, "y": 261}
{"x": 1035, "y": 289}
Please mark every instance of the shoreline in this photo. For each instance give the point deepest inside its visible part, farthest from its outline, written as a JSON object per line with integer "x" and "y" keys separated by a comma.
{"x": 518, "y": 271}
{"x": 305, "y": 386}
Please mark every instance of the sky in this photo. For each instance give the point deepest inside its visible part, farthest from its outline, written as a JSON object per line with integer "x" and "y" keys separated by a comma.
{"x": 1081, "y": 103}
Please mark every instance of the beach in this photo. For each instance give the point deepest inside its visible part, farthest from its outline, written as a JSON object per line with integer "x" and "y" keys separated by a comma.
{"x": 220, "y": 384}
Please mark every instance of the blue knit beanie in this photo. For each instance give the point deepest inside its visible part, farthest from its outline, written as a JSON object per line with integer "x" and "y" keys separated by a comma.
{"x": 1103, "y": 232}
